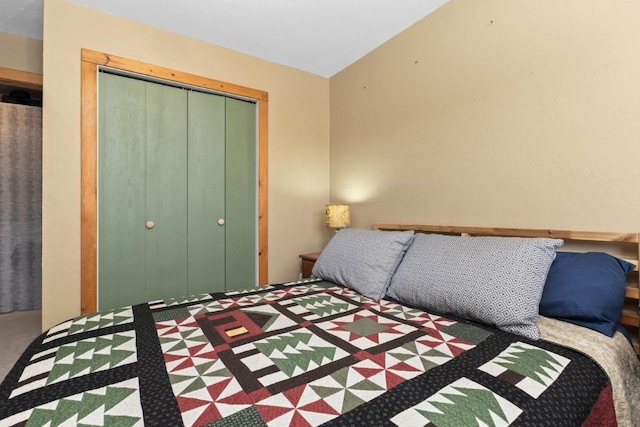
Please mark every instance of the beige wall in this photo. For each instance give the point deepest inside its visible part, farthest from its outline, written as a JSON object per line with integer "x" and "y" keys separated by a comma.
{"x": 495, "y": 113}
{"x": 20, "y": 53}
{"x": 298, "y": 139}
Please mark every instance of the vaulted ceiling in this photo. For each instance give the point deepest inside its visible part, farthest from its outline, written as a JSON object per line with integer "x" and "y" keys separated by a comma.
{"x": 318, "y": 36}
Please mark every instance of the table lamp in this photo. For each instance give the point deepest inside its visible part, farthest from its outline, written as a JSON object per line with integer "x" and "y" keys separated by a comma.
{"x": 337, "y": 216}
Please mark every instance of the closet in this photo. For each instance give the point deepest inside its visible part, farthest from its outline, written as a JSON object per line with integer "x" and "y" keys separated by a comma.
{"x": 177, "y": 191}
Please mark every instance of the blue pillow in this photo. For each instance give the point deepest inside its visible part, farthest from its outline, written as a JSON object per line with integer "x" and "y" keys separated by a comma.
{"x": 587, "y": 289}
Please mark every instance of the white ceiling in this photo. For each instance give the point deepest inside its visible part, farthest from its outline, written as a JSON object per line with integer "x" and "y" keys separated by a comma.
{"x": 21, "y": 17}
{"x": 319, "y": 36}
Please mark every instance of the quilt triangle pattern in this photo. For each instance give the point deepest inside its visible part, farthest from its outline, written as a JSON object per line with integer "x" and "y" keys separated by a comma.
{"x": 300, "y": 406}
{"x": 177, "y": 301}
{"x": 366, "y": 329}
{"x": 322, "y": 305}
{"x": 90, "y": 322}
{"x": 530, "y": 368}
{"x": 463, "y": 402}
{"x": 116, "y": 405}
{"x": 297, "y": 352}
{"x": 93, "y": 355}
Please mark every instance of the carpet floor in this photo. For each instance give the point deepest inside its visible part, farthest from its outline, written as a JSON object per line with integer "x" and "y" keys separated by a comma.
{"x": 17, "y": 330}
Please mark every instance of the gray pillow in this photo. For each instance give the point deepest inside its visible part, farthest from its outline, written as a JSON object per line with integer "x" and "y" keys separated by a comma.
{"x": 363, "y": 260}
{"x": 494, "y": 280}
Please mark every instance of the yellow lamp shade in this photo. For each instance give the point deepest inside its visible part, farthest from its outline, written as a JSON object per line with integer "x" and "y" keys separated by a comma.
{"x": 337, "y": 216}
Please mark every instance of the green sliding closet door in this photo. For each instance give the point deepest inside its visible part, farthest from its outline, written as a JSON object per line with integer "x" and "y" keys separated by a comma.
{"x": 166, "y": 191}
{"x": 241, "y": 193}
{"x": 121, "y": 182}
{"x": 177, "y": 186}
{"x": 206, "y": 193}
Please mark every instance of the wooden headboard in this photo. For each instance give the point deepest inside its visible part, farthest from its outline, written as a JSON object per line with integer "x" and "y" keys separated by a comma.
{"x": 622, "y": 245}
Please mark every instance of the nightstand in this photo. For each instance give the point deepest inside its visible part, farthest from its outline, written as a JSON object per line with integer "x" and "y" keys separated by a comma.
{"x": 308, "y": 260}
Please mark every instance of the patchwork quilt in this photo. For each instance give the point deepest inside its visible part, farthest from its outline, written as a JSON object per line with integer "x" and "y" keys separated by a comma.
{"x": 296, "y": 355}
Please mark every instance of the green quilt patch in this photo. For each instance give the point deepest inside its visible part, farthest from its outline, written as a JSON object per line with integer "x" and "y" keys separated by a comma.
{"x": 323, "y": 304}
{"x": 463, "y": 403}
{"x": 528, "y": 367}
{"x": 295, "y": 353}
{"x": 100, "y": 320}
{"x": 103, "y": 407}
{"x": 92, "y": 355}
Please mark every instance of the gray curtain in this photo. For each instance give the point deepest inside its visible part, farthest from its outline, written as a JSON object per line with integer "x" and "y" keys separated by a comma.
{"x": 20, "y": 207}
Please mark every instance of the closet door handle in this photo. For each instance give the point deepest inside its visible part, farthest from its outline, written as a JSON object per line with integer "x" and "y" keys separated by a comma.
{"x": 149, "y": 224}
{"x": 221, "y": 221}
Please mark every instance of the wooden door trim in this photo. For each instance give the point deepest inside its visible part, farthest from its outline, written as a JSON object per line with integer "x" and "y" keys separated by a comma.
{"x": 20, "y": 78}
{"x": 90, "y": 63}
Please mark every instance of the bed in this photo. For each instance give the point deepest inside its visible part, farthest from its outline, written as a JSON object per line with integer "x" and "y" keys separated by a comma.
{"x": 370, "y": 353}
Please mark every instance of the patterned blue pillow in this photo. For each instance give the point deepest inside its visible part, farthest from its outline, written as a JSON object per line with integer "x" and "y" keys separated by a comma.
{"x": 494, "y": 280}
{"x": 363, "y": 260}
{"x": 587, "y": 289}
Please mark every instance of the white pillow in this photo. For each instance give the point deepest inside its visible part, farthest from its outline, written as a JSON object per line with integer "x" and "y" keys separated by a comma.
{"x": 363, "y": 260}
{"x": 495, "y": 280}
